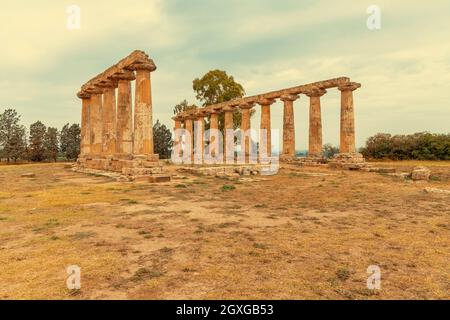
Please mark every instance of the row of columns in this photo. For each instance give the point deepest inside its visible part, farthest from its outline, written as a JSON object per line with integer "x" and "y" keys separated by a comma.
{"x": 347, "y": 124}
{"x": 107, "y": 125}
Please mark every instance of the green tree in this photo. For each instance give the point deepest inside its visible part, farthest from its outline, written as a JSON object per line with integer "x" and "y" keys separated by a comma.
{"x": 183, "y": 106}
{"x": 70, "y": 141}
{"x": 162, "y": 140}
{"x": 12, "y": 135}
{"x": 417, "y": 146}
{"x": 329, "y": 150}
{"x": 51, "y": 143}
{"x": 36, "y": 147}
{"x": 216, "y": 87}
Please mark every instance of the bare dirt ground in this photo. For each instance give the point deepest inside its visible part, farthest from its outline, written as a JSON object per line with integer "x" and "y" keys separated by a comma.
{"x": 303, "y": 234}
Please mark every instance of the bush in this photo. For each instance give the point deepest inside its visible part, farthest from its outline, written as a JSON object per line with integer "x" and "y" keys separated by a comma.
{"x": 417, "y": 146}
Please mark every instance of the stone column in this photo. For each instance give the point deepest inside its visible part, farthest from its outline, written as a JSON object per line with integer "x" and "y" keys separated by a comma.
{"x": 189, "y": 139}
{"x": 214, "y": 139}
{"x": 143, "y": 118}
{"x": 315, "y": 122}
{"x": 265, "y": 136}
{"x": 96, "y": 121}
{"x": 109, "y": 141}
{"x": 288, "y": 126}
{"x": 199, "y": 138}
{"x": 177, "y": 136}
{"x": 124, "y": 112}
{"x": 245, "y": 130}
{"x": 85, "y": 143}
{"x": 228, "y": 144}
{"x": 347, "y": 139}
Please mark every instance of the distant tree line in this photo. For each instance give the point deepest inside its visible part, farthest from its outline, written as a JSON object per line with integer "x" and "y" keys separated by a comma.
{"x": 39, "y": 143}
{"x": 417, "y": 146}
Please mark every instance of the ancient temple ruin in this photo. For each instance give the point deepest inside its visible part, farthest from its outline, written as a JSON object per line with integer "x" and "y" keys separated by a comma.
{"x": 314, "y": 91}
{"x": 116, "y": 138}
{"x": 111, "y": 139}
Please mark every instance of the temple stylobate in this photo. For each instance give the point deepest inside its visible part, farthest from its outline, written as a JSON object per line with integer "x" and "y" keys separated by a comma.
{"x": 115, "y": 134}
{"x": 314, "y": 91}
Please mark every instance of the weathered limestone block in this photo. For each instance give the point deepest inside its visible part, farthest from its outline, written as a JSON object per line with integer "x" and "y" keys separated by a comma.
{"x": 420, "y": 174}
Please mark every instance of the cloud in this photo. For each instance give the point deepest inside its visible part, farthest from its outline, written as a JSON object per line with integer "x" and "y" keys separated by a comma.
{"x": 266, "y": 45}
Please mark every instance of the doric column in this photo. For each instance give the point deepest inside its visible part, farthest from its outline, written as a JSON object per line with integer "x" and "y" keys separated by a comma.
{"x": 288, "y": 126}
{"x": 143, "y": 118}
{"x": 177, "y": 135}
{"x": 199, "y": 138}
{"x": 347, "y": 140}
{"x": 245, "y": 129}
{"x": 96, "y": 121}
{"x": 124, "y": 112}
{"x": 214, "y": 139}
{"x": 85, "y": 142}
{"x": 109, "y": 142}
{"x": 315, "y": 122}
{"x": 228, "y": 144}
{"x": 189, "y": 139}
{"x": 265, "y": 135}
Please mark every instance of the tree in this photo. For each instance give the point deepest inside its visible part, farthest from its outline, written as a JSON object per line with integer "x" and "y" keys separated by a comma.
{"x": 417, "y": 146}
{"x": 329, "y": 150}
{"x": 36, "y": 148}
{"x": 12, "y": 135}
{"x": 183, "y": 106}
{"x": 51, "y": 143}
{"x": 70, "y": 141}
{"x": 217, "y": 87}
{"x": 162, "y": 140}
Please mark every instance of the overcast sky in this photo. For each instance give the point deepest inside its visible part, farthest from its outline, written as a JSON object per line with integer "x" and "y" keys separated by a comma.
{"x": 404, "y": 68}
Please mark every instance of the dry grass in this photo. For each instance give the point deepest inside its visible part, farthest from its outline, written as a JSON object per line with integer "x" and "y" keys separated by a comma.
{"x": 303, "y": 234}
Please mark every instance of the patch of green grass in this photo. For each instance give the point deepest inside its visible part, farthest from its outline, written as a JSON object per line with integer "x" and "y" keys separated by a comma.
{"x": 180, "y": 185}
{"x": 343, "y": 274}
{"x": 3, "y": 218}
{"x": 83, "y": 235}
{"x": 228, "y": 187}
{"x": 144, "y": 274}
{"x": 258, "y": 245}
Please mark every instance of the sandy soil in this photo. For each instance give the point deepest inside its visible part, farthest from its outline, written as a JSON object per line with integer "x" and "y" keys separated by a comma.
{"x": 303, "y": 234}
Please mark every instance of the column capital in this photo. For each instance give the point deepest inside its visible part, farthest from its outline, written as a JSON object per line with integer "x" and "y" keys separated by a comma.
{"x": 124, "y": 75}
{"x": 94, "y": 90}
{"x": 83, "y": 95}
{"x": 142, "y": 64}
{"x": 177, "y": 118}
{"x": 266, "y": 101}
{"x": 350, "y": 86}
{"x": 246, "y": 105}
{"x": 228, "y": 109}
{"x": 289, "y": 97}
{"x": 110, "y": 83}
{"x": 316, "y": 92}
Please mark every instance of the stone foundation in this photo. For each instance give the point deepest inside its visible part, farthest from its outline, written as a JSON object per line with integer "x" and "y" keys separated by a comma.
{"x": 124, "y": 167}
{"x": 348, "y": 161}
{"x": 314, "y": 161}
{"x": 231, "y": 170}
